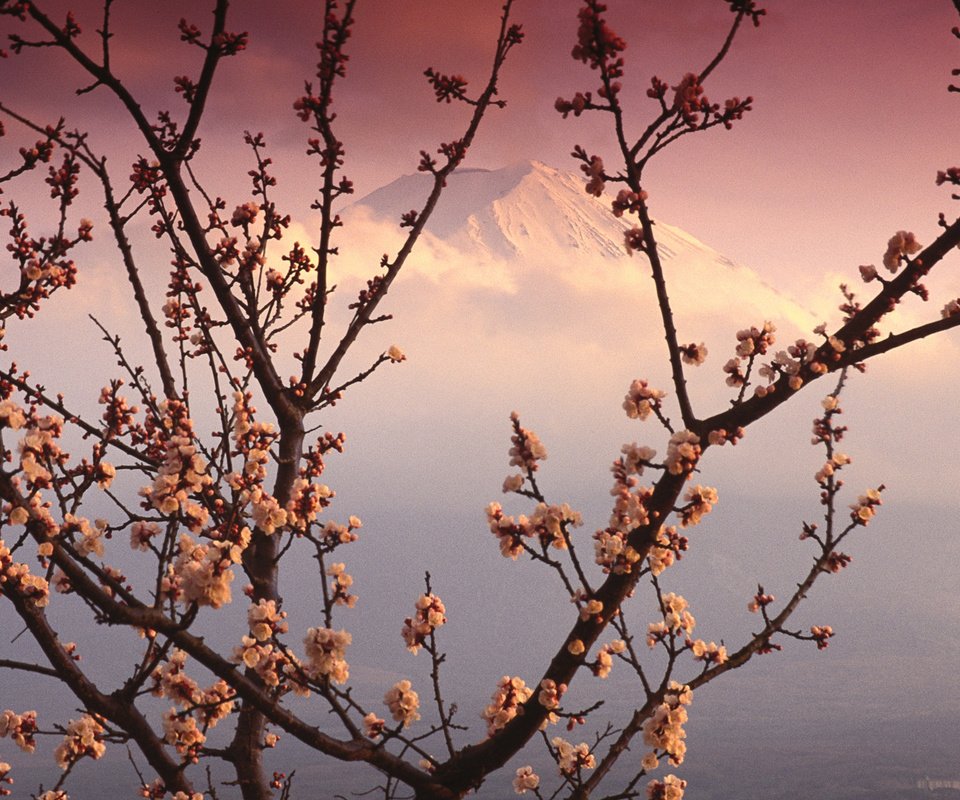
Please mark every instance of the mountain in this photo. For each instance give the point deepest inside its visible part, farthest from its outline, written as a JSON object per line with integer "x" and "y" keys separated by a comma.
{"x": 530, "y": 216}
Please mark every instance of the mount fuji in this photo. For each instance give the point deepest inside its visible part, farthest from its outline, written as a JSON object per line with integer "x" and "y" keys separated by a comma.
{"x": 499, "y": 228}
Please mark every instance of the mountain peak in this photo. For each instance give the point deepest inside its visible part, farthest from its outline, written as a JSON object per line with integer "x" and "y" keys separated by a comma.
{"x": 527, "y": 209}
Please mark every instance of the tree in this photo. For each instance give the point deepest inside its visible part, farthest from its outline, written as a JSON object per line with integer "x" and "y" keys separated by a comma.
{"x": 245, "y": 496}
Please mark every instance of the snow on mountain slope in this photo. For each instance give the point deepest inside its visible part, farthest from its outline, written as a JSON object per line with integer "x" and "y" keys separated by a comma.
{"x": 529, "y": 222}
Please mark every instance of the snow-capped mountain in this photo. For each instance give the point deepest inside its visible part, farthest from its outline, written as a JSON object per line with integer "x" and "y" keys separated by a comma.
{"x": 497, "y": 228}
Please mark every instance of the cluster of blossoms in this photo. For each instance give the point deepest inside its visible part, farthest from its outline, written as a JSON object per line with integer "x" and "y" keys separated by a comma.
{"x": 627, "y": 202}
{"x": 604, "y": 662}
{"x": 865, "y": 508}
{"x": 664, "y": 729}
{"x": 340, "y": 585}
{"x": 86, "y": 538}
{"x": 593, "y": 169}
{"x": 21, "y": 728}
{"x": 428, "y": 617}
{"x": 181, "y": 730}
{"x": 142, "y": 533}
{"x": 751, "y": 342}
{"x": 526, "y": 780}
{"x": 668, "y": 549}
{"x": 547, "y": 524}
{"x": 612, "y": 552}
{"x": 700, "y": 502}
{"x": 836, "y": 462}
{"x": 84, "y": 738}
{"x": 258, "y": 652}
{"x": 16, "y": 577}
{"x": 789, "y": 361}
{"x": 201, "y": 709}
{"x": 901, "y": 245}
{"x": 760, "y": 600}
{"x": 326, "y": 654}
{"x": 201, "y": 573}
{"x": 693, "y": 354}
{"x": 373, "y": 725}
{"x": 403, "y": 702}
{"x": 641, "y": 400}
{"x": 689, "y": 99}
{"x": 511, "y": 693}
{"x": 711, "y": 653}
{"x": 676, "y": 618}
{"x": 549, "y": 697}
{"x": 526, "y": 448}
{"x": 183, "y": 472}
{"x": 821, "y": 635}
{"x": 670, "y": 788}
{"x": 39, "y": 448}
{"x": 158, "y": 791}
{"x": 755, "y": 341}
{"x": 683, "y": 452}
{"x": 571, "y": 759}
{"x": 265, "y": 620}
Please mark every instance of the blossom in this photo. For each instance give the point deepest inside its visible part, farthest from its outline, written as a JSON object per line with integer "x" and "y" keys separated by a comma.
{"x": 373, "y": 726}
{"x": 83, "y": 738}
{"x": 428, "y": 617}
{"x": 403, "y": 703}
{"x": 821, "y": 635}
{"x": 326, "y": 651}
{"x": 20, "y": 728}
{"x": 664, "y": 729}
{"x": 550, "y": 694}
{"x": 571, "y": 759}
{"x": 670, "y": 788}
{"x": 708, "y": 653}
{"x": 641, "y": 400}
{"x": 203, "y": 573}
{"x": 505, "y": 703}
{"x": 901, "y": 244}
{"x": 264, "y": 619}
{"x": 865, "y": 508}
{"x": 526, "y": 779}
{"x": 701, "y": 500}
{"x": 675, "y": 613}
{"x": 683, "y": 452}
{"x": 395, "y": 354}
{"x": 693, "y": 354}
{"x": 526, "y": 449}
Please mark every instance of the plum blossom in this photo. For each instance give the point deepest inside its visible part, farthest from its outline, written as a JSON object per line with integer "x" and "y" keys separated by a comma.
{"x": 428, "y": 617}
{"x": 84, "y": 737}
{"x": 693, "y": 354}
{"x": 700, "y": 502}
{"x": 865, "y": 508}
{"x": 525, "y": 780}
{"x": 708, "y": 653}
{"x": 505, "y": 703}
{"x": 373, "y": 726}
{"x": 571, "y": 759}
{"x": 675, "y": 614}
{"x": 642, "y": 400}
{"x": 683, "y": 452}
{"x": 821, "y": 634}
{"x": 901, "y": 244}
{"x": 326, "y": 654}
{"x": 670, "y": 788}
{"x": 21, "y": 728}
{"x": 526, "y": 448}
{"x": 664, "y": 729}
{"x": 403, "y": 703}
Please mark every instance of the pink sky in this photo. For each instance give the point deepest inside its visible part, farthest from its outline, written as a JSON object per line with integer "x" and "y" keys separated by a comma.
{"x": 851, "y": 117}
